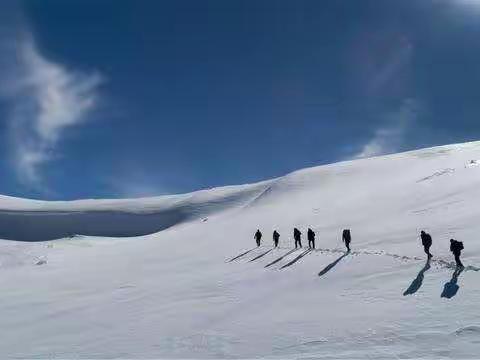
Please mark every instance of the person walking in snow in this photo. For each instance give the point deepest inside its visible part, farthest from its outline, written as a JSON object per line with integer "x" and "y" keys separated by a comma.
{"x": 426, "y": 242}
{"x": 311, "y": 238}
{"x": 258, "y": 237}
{"x": 347, "y": 238}
{"x": 456, "y": 248}
{"x": 297, "y": 235}
{"x": 276, "y": 237}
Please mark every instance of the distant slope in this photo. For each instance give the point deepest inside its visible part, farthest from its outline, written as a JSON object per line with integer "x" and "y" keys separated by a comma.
{"x": 33, "y": 220}
{"x": 176, "y": 293}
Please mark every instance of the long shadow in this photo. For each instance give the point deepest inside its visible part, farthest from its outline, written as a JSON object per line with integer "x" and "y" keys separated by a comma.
{"x": 259, "y": 256}
{"x": 417, "y": 282}
{"x": 450, "y": 289}
{"x": 332, "y": 265}
{"x": 242, "y": 254}
{"x": 280, "y": 258}
{"x": 306, "y": 252}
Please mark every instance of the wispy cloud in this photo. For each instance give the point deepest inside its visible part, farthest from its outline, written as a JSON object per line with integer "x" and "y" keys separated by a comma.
{"x": 45, "y": 99}
{"x": 389, "y": 137}
{"x": 468, "y": 2}
{"x": 381, "y": 73}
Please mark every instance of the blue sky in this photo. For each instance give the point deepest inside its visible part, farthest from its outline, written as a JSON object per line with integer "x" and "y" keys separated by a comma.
{"x": 117, "y": 98}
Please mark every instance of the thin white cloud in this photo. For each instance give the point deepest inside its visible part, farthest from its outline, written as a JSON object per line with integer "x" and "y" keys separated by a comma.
{"x": 468, "y": 2}
{"x": 389, "y": 138}
{"x": 45, "y": 99}
{"x": 387, "y": 75}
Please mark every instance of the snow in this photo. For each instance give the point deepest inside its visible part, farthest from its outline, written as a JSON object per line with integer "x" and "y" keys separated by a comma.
{"x": 154, "y": 277}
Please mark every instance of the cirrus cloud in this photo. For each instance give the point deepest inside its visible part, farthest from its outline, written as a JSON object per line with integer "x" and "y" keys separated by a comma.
{"x": 45, "y": 99}
{"x": 389, "y": 137}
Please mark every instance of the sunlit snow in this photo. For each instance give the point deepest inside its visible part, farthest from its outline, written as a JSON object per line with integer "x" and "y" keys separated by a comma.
{"x": 146, "y": 278}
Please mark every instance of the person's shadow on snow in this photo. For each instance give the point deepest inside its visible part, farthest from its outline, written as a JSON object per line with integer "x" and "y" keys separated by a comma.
{"x": 418, "y": 281}
{"x": 330, "y": 266}
{"x": 450, "y": 289}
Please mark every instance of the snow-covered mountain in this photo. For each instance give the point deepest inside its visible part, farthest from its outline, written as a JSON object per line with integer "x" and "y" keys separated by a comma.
{"x": 145, "y": 278}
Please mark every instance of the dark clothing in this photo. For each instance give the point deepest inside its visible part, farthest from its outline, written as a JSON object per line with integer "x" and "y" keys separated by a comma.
{"x": 347, "y": 238}
{"x": 258, "y": 237}
{"x": 311, "y": 238}
{"x": 426, "y": 239}
{"x": 426, "y": 242}
{"x": 427, "y": 251}
{"x": 276, "y": 237}
{"x": 458, "y": 262}
{"x": 456, "y": 248}
{"x": 297, "y": 235}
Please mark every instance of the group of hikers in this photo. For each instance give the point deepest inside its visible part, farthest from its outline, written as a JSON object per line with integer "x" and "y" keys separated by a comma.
{"x": 297, "y": 236}
{"x": 456, "y": 247}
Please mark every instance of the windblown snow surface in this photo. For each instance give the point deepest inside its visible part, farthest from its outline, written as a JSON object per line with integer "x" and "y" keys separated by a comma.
{"x": 150, "y": 278}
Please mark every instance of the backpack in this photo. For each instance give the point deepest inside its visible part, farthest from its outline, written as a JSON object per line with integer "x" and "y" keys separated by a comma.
{"x": 456, "y": 246}
{"x": 427, "y": 240}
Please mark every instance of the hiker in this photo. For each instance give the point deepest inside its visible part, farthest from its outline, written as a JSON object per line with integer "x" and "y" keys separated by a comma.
{"x": 347, "y": 238}
{"x": 297, "y": 235}
{"x": 258, "y": 237}
{"x": 276, "y": 237}
{"x": 311, "y": 238}
{"x": 426, "y": 242}
{"x": 456, "y": 248}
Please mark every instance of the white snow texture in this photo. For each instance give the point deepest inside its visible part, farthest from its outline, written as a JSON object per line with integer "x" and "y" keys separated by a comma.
{"x": 152, "y": 277}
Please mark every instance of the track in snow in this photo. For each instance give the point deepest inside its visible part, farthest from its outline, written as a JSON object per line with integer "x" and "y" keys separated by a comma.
{"x": 441, "y": 263}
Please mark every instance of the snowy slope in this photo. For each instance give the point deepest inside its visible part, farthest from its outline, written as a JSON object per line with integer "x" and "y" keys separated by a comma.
{"x": 33, "y": 220}
{"x": 172, "y": 291}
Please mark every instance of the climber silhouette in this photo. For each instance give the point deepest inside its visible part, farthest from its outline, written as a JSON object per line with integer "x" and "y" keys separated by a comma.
{"x": 311, "y": 238}
{"x": 297, "y": 235}
{"x": 276, "y": 237}
{"x": 347, "y": 238}
{"x": 426, "y": 242}
{"x": 258, "y": 237}
{"x": 456, "y": 248}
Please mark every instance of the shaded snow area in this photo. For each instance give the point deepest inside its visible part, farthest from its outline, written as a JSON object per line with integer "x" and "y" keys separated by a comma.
{"x": 179, "y": 277}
